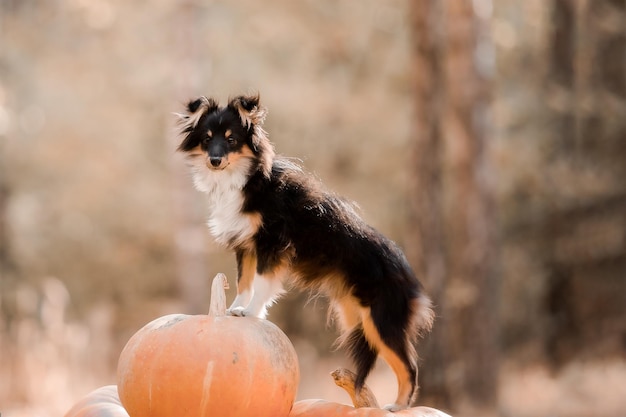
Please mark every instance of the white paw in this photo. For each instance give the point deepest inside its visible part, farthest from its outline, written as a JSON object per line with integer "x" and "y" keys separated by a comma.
{"x": 238, "y": 312}
{"x": 395, "y": 407}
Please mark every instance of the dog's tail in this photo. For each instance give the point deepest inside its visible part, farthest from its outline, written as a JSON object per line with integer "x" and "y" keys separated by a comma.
{"x": 423, "y": 315}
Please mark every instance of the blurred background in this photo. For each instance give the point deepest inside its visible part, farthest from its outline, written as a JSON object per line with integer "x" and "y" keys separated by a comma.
{"x": 486, "y": 137}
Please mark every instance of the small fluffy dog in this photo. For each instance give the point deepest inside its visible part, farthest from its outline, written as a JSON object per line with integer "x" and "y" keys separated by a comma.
{"x": 282, "y": 224}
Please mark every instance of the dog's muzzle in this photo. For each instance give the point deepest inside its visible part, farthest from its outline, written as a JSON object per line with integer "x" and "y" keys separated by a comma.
{"x": 217, "y": 162}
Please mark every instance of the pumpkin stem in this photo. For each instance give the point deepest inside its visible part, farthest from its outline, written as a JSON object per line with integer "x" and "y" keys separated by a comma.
{"x": 344, "y": 378}
{"x": 217, "y": 306}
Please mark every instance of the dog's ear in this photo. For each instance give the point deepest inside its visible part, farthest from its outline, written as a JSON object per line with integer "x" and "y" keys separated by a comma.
{"x": 194, "y": 105}
{"x": 252, "y": 116}
{"x": 250, "y": 112}
{"x": 194, "y": 111}
{"x": 188, "y": 120}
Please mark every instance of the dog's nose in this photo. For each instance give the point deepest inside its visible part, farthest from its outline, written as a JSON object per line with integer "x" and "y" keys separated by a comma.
{"x": 215, "y": 161}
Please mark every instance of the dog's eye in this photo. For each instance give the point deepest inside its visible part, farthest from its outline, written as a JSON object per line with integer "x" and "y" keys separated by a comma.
{"x": 231, "y": 140}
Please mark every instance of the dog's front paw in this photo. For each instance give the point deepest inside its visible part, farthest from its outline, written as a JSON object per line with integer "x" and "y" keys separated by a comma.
{"x": 238, "y": 312}
{"x": 392, "y": 408}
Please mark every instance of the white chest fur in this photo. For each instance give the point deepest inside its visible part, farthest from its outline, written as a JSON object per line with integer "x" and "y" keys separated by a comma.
{"x": 228, "y": 225}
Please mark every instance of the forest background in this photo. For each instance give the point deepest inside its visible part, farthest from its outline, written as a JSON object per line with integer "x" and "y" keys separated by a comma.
{"x": 486, "y": 137}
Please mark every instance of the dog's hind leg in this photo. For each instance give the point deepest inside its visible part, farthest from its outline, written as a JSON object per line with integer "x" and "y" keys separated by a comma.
{"x": 362, "y": 354}
{"x": 389, "y": 338}
{"x": 349, "y": 314}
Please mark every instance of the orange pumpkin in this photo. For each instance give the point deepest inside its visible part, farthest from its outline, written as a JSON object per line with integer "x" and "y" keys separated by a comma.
{"x": 102, "y": 402}
{"x": 365, "y": 404}
{"x": 208, "y": 365}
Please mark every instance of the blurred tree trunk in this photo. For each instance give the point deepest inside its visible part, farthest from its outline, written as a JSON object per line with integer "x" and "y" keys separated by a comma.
{"x": 454, "y": 246}
{"x": 586, "y": 256}
{"x": 191, "y": 241}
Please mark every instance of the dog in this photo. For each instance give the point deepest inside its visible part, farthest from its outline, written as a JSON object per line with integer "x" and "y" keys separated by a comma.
{"x": 284, "y": 226}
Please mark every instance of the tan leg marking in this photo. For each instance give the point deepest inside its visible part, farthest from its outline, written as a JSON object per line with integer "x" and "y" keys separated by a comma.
{"x": 244, "y": 282}
{"x": 405, "y": 385}
{"x": 347, "y": 312}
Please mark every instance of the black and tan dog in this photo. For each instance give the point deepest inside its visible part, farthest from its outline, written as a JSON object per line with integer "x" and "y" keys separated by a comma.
{"x": 284, "y": 226}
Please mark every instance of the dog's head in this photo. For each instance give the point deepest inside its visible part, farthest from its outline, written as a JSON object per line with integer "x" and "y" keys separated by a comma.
{"x": 220, "y": 137}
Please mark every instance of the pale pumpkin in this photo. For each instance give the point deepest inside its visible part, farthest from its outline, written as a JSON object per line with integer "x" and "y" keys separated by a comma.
{"x": 322, "y": 408}
{"x": 102, "y": 402}
{"x": 208, "y": 365}
{"x": 365, "y": 404}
